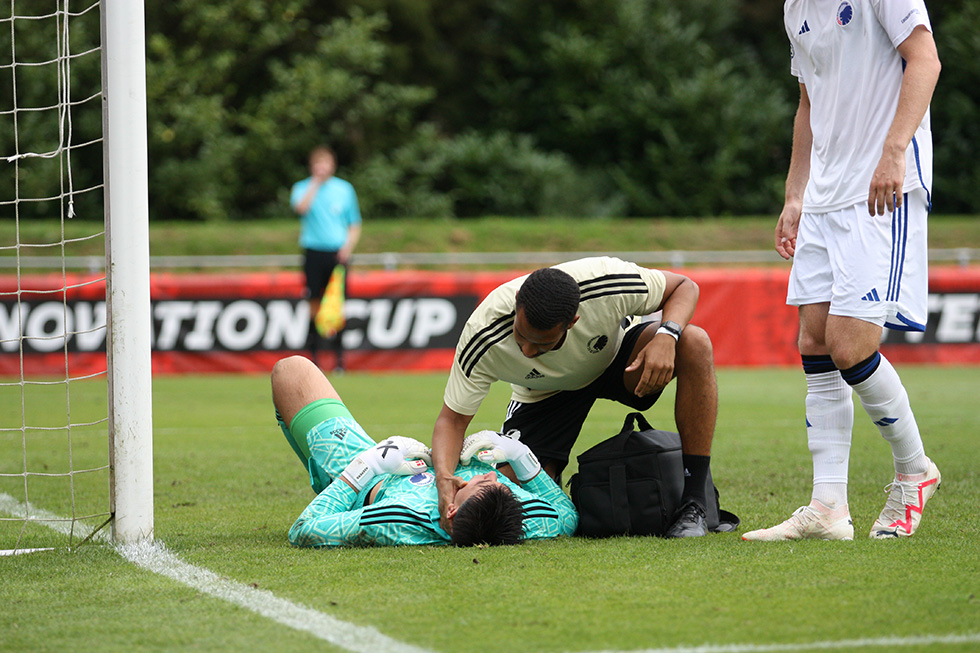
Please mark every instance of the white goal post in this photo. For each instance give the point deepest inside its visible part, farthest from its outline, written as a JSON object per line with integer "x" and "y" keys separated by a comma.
{"x": 128, "y": 316}
{"x": 76, "y": 435}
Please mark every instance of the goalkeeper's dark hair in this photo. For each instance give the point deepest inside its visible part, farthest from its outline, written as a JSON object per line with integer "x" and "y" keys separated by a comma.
{"x": 492, "y": 516}
{"x": 549, "y": 298}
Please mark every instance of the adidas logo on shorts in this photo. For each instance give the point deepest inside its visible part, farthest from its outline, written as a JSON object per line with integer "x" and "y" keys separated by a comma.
{"x": 871, "y": 296}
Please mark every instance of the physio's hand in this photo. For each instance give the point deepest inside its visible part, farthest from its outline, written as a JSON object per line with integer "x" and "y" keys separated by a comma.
{"x": 396, "y": 455}
{"x": 656, "y": 365}
{"x": 492, "y": 447}
{"x": 447, "y": 488}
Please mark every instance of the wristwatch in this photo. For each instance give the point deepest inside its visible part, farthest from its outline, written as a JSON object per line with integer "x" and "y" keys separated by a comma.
{"x": 672, "y": 329}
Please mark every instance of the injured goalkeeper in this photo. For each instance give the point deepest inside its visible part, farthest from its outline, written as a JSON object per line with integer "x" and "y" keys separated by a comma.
{"x": 383, "y": 494}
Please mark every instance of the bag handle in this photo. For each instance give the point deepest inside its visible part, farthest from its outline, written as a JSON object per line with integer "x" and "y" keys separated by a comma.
{"x": 641, "y": 423}
{"x": 633, "y": 422}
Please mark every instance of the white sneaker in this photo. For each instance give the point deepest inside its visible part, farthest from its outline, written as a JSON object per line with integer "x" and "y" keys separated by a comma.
{"x": 907, "y": 496}
{"x": 815, "y": 521}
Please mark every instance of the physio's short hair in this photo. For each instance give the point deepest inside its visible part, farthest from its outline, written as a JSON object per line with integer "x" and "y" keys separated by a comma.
{"x": 492, "y": 516}
{"x": 549, "y": 298}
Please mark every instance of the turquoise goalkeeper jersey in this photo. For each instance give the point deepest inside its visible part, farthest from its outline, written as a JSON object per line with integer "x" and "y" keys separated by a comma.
{"x": 406, "y": 511}
{"x": 406, "y": 508}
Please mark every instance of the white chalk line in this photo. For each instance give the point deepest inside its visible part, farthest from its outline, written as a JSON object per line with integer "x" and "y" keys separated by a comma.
{"x": 843, "y": 644}
{"x": 153, "y": 556}
{"x": 365, "y": 639}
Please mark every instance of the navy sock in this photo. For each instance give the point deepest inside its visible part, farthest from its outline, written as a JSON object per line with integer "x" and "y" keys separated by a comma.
{"x": 861, "y": 371}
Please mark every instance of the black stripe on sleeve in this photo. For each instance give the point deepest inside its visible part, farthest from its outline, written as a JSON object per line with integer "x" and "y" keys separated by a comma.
{"x": 584, "y": 285}
{"x": 538, "y": 508}
{"x": 390, "y": 514}
{"x": 500, "y": 338}
{"x": 370, "y": 511}
{"x": 607, "y": 286}
{"x": 477, "y": 345}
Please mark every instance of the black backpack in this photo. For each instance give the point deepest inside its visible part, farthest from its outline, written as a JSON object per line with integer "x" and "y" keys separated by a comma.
{"x": 631, "y": 484}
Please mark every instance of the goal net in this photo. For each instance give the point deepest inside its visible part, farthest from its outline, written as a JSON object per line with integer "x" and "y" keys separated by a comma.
{"x": 75, "y": 396}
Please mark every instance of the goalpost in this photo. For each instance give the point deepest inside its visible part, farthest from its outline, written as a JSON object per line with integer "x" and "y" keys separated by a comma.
{"x": 128, "y": 269}
{"x": 75, "y": 447}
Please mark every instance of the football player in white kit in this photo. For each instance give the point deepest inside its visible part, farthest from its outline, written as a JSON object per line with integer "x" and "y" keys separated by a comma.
{"x": 854, "y": 223}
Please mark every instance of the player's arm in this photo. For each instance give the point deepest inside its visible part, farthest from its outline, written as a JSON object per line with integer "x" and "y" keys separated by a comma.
{"x": 447, "y": 442}
{"x": 353, "y": 235}
{"x": 918, "y": 82}
{"x": 302, "y": 204}
{"x": 329, "y": 520}
{"x": 656, "y": 359}
{"x": 549, "y": 512}
{"x": 561, "y": 519}
{"x": 796, "y": 179}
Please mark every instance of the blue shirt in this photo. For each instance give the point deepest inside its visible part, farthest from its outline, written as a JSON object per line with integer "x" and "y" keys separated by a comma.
{"x": 332, "y": 212}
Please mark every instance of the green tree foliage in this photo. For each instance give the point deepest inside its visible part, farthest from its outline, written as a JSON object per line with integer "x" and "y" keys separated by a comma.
{"x": 240, "y": 91}
{"x": 37, "y": 136}
{"x": 956, "y": 105}
{"x": 462, "y": 108}
{"x": 659, "y": 98}
{"x": 663, "y": 107}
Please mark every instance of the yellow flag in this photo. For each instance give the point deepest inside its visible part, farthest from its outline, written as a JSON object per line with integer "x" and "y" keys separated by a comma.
{"x": 330, "y": 318}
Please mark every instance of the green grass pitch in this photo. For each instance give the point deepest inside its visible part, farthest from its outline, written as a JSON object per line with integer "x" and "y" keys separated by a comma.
{"x": 227, "y": 488}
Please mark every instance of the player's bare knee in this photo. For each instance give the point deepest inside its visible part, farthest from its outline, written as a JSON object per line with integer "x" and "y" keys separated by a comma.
{"x": 812, "y": 344}
{"x": 695, "y": 344}
{"x": 291, "y": 370}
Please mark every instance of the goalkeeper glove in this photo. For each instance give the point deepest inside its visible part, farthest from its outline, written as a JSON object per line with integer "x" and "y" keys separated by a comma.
{"x": 396, "y": 455}
{"x": 492, "y": 447}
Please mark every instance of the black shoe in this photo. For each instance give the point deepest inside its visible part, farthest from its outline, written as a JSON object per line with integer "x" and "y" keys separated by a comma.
{"x": 690, "y": 522}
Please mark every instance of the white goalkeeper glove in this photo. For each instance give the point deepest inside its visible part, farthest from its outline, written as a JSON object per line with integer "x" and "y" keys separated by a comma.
{"x": 396, "y": 455}
{"x": 492, "y": 447}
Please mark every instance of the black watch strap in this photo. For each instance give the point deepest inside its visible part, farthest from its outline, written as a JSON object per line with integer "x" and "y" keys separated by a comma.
{"x": 673, "y": 327}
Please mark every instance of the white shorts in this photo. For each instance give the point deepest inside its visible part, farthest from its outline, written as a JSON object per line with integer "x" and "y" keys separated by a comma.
{"x": 874, "y": 268}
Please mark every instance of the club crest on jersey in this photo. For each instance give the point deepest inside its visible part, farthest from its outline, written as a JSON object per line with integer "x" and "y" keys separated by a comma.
{"x": 597, "y": 344}
{"x": 425, "y": 478}
{"x": 845, "y": 12}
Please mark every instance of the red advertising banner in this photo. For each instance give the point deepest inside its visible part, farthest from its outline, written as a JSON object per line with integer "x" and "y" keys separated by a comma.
{"x": 407, "y": 320}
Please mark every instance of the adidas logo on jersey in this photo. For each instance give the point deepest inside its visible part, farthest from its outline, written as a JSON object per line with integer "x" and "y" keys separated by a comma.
{"x": 871, "y": 296}
{"x": 534, "y": 374}
{"x": 804, "y": 29}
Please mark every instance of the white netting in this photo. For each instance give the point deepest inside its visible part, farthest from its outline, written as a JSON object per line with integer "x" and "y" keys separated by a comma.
{"x": 54, "y": 449}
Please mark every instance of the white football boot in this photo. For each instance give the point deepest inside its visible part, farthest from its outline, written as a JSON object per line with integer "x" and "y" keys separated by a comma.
{"x": 815, "y": 522}
{"x": 907, "y": 496}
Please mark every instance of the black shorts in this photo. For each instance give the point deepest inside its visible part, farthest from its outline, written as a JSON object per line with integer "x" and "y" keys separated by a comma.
{"x": 551, "y": 426}
{"x": 318, "y": 266}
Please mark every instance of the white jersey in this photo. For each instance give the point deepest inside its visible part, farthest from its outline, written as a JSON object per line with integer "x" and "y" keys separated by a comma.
{"x": 844, "y": 52}
{"x": 613, "y": 291}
